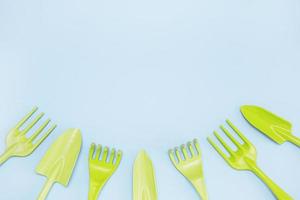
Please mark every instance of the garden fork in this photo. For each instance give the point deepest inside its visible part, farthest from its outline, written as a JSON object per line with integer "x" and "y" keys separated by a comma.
{"x": 101, "y": 168}
{"x": 244, "y": 158}
{"x": 17, "y": 144}
{"x": 190, "y": 165}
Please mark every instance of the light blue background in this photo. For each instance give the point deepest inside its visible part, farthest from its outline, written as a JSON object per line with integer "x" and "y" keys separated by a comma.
{"x": 150, "y": 74}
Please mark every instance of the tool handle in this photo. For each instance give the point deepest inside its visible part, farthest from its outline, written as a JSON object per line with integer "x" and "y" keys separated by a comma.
{"x": 199, "y": 185}
{"x": 94, "y": 191}
{"x": 5, "y": 156}
{"x": 44, "y": 193}
{"x": 279, "y": 193}
{"x": 293, "y": 139}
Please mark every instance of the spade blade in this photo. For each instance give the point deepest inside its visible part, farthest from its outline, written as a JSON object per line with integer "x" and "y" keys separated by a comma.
{"x": 273, "y": 126}
{"x": 60, "y": 159}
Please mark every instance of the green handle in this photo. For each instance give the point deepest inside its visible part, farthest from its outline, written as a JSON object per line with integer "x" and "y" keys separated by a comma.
{"x": 4, "y": 157}
{"x": 44, "y": 193}
{"x": 279, "y": 193}
{"x": 199, "y": 185}
{"x": 94, "y": 191}
{"x": 293, "y": 139}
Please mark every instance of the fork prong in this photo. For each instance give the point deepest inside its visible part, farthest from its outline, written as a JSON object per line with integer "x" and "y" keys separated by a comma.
{"x": 98, "y": 152}
{"x": 105, "y": 153}
{"x": 112, "y": 155}
{"x": 231, "y": 137}
{"x": 92, "y": 151}
{"x": 29, "y": 126}
{"x": 191, "y": 149}
{"x": 242, "y": 136}
{"x": 40, "y": 129}
{"x": 225, "y": 145}
{"x": 45, "y": 136}
{"x": 218, "y": 150}
{"x": 26, "y": 117}
{"x": 197, "y": 146}
{"x": 184, "y": 152}
{"x": 118, "y": 158}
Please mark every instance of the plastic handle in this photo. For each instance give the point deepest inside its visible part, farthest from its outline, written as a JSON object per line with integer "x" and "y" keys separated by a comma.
{"x": 293, "y": 139}
{"x": 44, "y": 193}
{"x": 199, "y": 185}
{"x": 4, "y": 157}
{"x": 94, "y": 191}
{"x": 279, "y": 193}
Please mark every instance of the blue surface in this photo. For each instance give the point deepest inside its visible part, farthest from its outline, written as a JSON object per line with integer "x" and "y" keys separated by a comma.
{"x": 150, "y": 74}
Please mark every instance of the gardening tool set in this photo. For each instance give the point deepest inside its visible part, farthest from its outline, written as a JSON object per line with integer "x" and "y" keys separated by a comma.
{"x": 59, "y": 161}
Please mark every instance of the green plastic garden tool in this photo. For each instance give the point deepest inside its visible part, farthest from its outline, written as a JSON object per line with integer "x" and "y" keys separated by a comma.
{"x": 102, "y": 165}
{"x": 59, "y": 161}
{"x": 273, "y": 126}
{"x": 18, "y": 143}
{"x": 244, "y": 158}
{"x": 188, "y": 162}
{"x": 144, "y": 185}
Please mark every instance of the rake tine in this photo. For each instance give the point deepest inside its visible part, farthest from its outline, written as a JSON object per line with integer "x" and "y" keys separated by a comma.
{"x": 98, "y": 152}
{"x": 171, "y": 155}
{"x": 225, "y": 145}
{"x": 105, "y": 153}
{"x": 112, "y": 155}
{"x": 197, "y": 145}
{"x": 238, "y": 132}
{"x": 119, "y": 158}
{"x": 184, "y": 152}
{"x": 32, "y": 123}
{"x": 45, "y": 136}
{"x": 177, "y": 153}
{"x": 231, "y": 137}
{"x": 24, "y": 119}
{"x": 92, "y": 150}
{"x": 37, "y": 132}
{"x": 218, "y": 150}
{"x": 192, "y": 151}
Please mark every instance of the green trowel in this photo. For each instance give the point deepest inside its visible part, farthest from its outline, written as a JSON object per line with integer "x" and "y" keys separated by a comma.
{"x": 273, "y": 126}
{"x": 144, "y": 185}
{"x": 59, "y": 161}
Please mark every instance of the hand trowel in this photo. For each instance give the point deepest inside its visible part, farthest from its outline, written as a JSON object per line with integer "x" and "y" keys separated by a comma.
{"x": 144, "y": 185}
{"x": 273, "y": 126}
{"x": 59, "y": 161}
